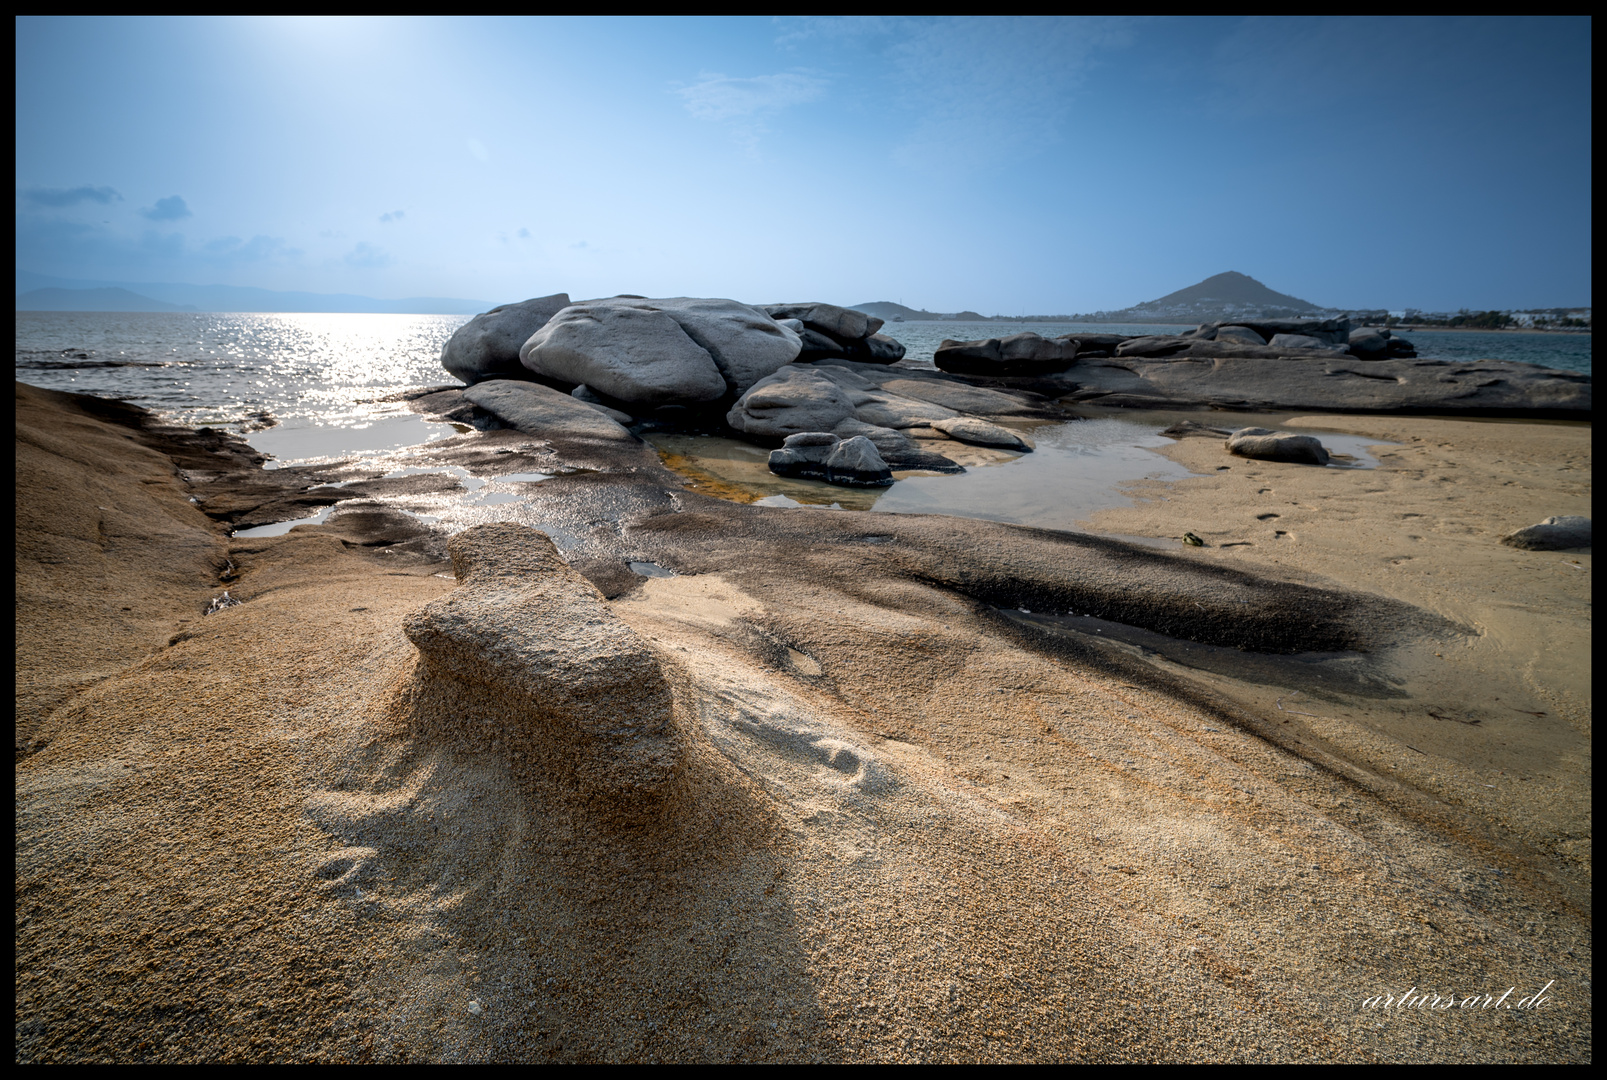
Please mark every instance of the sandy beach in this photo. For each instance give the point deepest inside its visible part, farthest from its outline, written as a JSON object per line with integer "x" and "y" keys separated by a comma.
{"x": 950, "y": 790}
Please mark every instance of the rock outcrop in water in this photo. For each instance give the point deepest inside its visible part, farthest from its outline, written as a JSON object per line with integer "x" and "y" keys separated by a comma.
{"x": 530, "y": 633}
{"x": 487, "y": 346}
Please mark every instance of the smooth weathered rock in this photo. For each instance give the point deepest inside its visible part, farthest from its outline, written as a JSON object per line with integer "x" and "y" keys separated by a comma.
{"x": 820, "y": 455}
{"x": 1153, "y": 345}
{"x": 1025, "y": 353}
{"x": 673, "y": 351}
{"x": 487, "y": 346}
{"x": 540, "y": 410}
{"x": 1302, "y": 341}
{"x": 589, "y": 396}
{"x": 746, "y": 344}
{"x": 1269, "y": 445}
{"x": 969, "y": 429}
{"x": 528, "y": 631}
{"x": 1333, "y": 383}
{"x": 1552, "y": 534}
{"x": 1239, "y": 333}
{"x": 793, "y": 400}
{"x": 629, "y": 353}
{"x": 1369, "y": 342}
{"x": 881, "y": 349}
{"x": 855, "y": 463}
{"x": 818, "y": 346}
{"x": 901, "y": 452}
{"x": 964, "y": 398}
{"x": 844, "y": 324}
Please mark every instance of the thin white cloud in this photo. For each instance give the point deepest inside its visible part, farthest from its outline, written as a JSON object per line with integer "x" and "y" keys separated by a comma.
{"x": 719, "y": 97}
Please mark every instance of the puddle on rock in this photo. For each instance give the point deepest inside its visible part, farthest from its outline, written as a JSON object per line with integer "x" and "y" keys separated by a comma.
{"x": 279, "y": 528}
{"x": 1077, "y": 469}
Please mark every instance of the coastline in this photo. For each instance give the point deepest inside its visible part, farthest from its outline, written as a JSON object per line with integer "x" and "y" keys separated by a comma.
{"x": 914, "y": 825}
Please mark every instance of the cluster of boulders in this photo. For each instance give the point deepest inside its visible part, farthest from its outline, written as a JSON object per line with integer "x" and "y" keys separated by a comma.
{"x": 1029, "y": 354}
{"x": 783, "y": 373}
{"x": 831, "y": 332}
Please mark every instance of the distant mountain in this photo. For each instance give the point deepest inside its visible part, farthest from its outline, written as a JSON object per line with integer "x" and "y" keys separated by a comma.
{"x": 111, "y": 299}
{"x": 240, "y": 298}
{"x": 1226, "y": 295}
{"x": 888, "y": 311}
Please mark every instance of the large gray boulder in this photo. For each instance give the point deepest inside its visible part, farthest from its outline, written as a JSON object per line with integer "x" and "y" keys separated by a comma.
{"x": 540, "y": 410}
{"x": 675, "y": 351}
{"x": 1552, "y": 534}
{"x": 881, "y": 349}
{"x": 1268, "y": 445}
{"x": 635, "y": 355}
{"x": 1021, "y": 354}
{"x": 745, "y": 343}
{"x": 570, "y": 680}
{"x": 487, "y": 346}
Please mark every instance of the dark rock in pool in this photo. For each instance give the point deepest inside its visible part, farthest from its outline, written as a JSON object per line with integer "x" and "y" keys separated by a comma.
{"x": 487, "y": 346}
{"x": 1268, "y": 445}
{"x": 1552, "y": 534}
{"x": 820, "y": 455}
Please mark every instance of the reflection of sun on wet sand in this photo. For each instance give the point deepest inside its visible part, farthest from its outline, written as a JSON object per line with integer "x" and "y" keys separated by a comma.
{"x": 911, "y": 823}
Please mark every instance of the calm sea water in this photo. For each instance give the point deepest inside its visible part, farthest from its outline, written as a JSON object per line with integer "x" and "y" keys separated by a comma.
{"x": 318, "y": 376}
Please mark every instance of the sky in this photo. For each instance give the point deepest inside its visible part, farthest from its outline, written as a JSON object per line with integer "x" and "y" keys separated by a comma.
{"x": 1008, "y": 166}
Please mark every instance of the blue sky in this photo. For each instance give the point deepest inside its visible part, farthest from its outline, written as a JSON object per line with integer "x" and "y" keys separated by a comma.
{"x": 1008, "y": 165}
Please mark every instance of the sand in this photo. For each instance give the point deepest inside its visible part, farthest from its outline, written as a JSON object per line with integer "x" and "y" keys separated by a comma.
{"x": 914, "y": 824}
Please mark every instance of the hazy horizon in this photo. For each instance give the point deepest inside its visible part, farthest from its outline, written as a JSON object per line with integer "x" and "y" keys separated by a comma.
{"x": 1000, "y": 165}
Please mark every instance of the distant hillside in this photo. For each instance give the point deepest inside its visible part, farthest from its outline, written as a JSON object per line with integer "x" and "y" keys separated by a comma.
{"x": 112, "y": 299}
{"x": 1220, "y": 296}
{"x": 182, "y": 297}
{"x": 887, "y": 310}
